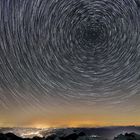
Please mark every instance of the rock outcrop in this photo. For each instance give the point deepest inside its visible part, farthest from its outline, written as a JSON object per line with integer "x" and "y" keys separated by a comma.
{"x": 131, "y": 136}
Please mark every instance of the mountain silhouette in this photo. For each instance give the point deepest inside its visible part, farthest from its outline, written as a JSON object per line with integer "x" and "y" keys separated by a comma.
{"x": 131, "y": 136}
{"x": 72, "y": 136}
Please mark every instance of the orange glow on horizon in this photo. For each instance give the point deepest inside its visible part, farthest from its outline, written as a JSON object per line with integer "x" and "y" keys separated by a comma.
{"x": 72, "y": 124}
{"x": 70, "y": 117}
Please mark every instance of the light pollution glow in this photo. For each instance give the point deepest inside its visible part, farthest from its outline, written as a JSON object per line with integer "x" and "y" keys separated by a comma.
{"x": 58, "y": 117}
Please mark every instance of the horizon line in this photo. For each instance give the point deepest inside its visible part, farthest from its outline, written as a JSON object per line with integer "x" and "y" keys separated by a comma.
{"x": 76, "y": 127}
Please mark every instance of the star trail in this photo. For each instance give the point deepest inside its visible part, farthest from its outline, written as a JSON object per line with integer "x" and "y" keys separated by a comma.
{"x": 68, "y": 52}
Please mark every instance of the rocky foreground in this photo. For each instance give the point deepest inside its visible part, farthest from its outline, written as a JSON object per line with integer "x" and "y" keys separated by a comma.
{"x": 73, "y": 136}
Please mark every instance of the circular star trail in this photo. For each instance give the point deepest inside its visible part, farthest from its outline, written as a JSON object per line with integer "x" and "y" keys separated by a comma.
{"x": 71, "y": 49}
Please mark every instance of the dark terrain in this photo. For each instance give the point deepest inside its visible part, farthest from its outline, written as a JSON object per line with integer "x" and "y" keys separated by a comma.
{"x": 104, "y": 133}
{"x": 74, "y": 136}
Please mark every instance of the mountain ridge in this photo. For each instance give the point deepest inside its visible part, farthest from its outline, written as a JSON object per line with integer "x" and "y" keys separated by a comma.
{"x": 73, "y": 136}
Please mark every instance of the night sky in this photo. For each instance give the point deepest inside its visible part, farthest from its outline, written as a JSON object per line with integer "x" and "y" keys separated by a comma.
{"x": 69, "y": 63}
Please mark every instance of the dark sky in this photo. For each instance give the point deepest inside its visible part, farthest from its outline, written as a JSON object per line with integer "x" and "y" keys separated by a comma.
{"x": 69, "y": 62}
